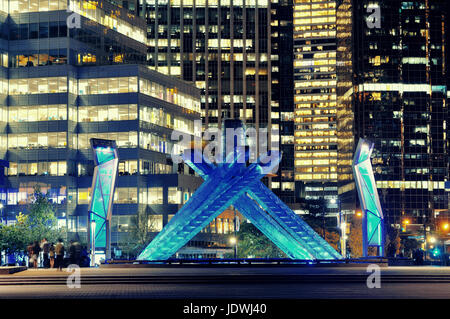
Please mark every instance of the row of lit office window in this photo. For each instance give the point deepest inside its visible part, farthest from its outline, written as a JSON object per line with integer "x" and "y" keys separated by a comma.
{"x": 126, "y": 167}
{"x": 170, "y": 95}
{"x": 99, "y": 113}
{"x": 315, "y": 97}
{"x": 34, "y": 113}
{"x": 100, "y": 86}
{"x": 313, "y": 4}
{"x": 107, "y": 85}
{"x": 123, "y": 139}
{"x": 129, "y": 84}
{"x": 38, "y": 85}
{"x": 317, "y": 13}
{"x": 310, "y": 84}
{"x": 315, "y": 147}
{"x": 50, "y": 57}
{"x": 37, "y": 140}
{"x": 25, "y": 195}
{"x": 130, "y": 167}
{"x": 315, "y": 162}
{"x": 285, "y": 186}
{"x": 122, "y": 195}
{"x": 330, "y": 19}
{"x": 58, "y": 168}
{"x": 23, "y": 6}
{"x": 315, "y": 154}
{"x": 102, "y": 113}
{"x": 316, "y": 169}
{"x": 209, "y": 3}
{"x": 59, "y": 140}
{"x": 93, "y": 11}
{"x": 301, "y": 141}
{"x": 309, "y": 177}
{"x": 129, "y": 195}
{"x": 201, "y": 58}
{"x": 154, "y": 142}
{"x": 315, "y": 119}
{"x": 159, "y": 117}
{"x": 315, "y": 62}
{"x": 411, "y": 185}
{"x": 314, "y": 34}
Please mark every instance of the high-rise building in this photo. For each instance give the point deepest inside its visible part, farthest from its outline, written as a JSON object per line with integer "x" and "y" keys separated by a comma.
{"x": 315, "y": 101}
{"x": 239, "y": 53}
{"x": 394, "y": 77}
{"x": 64, "y": 83}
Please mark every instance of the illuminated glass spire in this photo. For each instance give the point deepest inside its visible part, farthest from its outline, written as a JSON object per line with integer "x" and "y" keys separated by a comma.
{"x": 373, "y": 220}
{"x": 103, "y": 185}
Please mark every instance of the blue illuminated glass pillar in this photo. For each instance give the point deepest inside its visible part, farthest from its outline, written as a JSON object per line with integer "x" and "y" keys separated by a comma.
{"x": 373, "y": 220}
{"x": 103, "y": 185}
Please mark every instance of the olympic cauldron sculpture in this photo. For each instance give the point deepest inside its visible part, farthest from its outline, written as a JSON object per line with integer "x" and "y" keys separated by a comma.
{"x": 234, "y": 182}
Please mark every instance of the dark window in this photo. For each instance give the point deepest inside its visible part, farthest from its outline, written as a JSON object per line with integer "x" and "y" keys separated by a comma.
{"x": 43, "y": 30}
{"x": 53, "y": 29}
{"x": 13, "y": 31}
{"x": 34, "y": 30}
{"x": 23, "y": 31}
{"x": 63, "y": 29}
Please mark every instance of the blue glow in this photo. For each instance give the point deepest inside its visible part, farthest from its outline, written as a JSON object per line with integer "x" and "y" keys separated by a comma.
{"x": 239, "y": 185}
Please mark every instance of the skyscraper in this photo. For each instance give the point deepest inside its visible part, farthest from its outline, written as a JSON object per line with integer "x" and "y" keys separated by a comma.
{"x": 399, "y": 93}
{"x": 62, "y": 86}
{"x": 315, "y": 100}
{"x": 239, "y": 53}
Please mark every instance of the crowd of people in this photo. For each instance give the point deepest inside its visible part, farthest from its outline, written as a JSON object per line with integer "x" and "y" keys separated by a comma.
{"x": 50, "y": 255}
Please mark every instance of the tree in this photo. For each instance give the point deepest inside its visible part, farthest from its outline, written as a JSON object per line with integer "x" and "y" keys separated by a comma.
{"x": 253, "y": 243}
{"x": 355, "y": 238}
{"x": 316, "y": 223}
{"x": 316, "y": 214}
{"x": 141, "y": 233}
{"x": 408, "y": 245}
{"x": 14, "y": 238}
{"x": 41, "y": 220}
{"x": 393, "y": 242}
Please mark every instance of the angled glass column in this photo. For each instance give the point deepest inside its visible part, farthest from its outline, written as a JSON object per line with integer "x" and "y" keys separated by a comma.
{"x": 373, "y": 220}
{"x": 103, "y": 185}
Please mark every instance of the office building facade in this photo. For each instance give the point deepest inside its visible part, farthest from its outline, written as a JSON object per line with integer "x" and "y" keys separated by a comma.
{"x": 315, "y": 102}
{"x": 394, "y": 78}
{"x": 239, "y": 54}
{"x": 65, "y": 81}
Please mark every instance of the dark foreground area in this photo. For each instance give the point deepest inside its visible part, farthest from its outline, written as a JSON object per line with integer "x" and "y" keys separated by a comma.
{"x": 236, "y": 283}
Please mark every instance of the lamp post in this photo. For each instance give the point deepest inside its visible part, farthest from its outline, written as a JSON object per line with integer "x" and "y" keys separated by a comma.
{"x": 233, "y": 241}
{"x": 3, "y": 217}
{"x": 342, "y": 227}
{"x": 93, "y": 243}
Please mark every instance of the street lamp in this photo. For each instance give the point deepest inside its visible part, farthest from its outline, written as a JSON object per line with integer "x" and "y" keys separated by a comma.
{"x": 1, "y": 209}
{"x": 93, "y": 243}
{"x": 342, "y": 226}
{"x": 233, "y": 241}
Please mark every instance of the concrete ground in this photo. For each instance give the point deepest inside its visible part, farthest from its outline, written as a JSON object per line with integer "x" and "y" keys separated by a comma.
{"x": 230, "y": 282}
